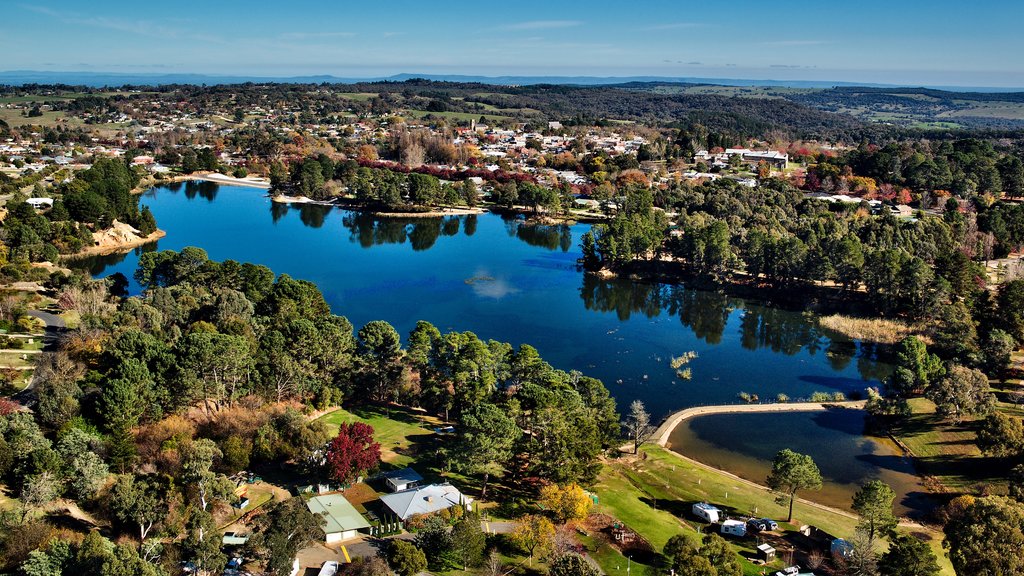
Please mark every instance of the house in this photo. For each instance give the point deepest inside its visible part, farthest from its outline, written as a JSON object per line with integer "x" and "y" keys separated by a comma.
{"x": 707, "y": 512}
{"x": 40, "y": 203}
{"x": 734, "y": 528}
{"x": 341, "y": 520}
{"x": 765, "y": 553}
{"x": 424, "y": 500}
{"x": 404, "y": 479}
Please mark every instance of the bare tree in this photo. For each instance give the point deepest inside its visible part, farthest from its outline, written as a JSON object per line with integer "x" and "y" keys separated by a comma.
{"x": 638, "y": 425}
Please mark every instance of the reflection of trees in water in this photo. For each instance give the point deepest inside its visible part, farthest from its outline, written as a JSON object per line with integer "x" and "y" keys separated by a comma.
{"x": 278, "y": 210}
{"x": 469, "y": 225}
{"x": 201, "y": 188}
{"x": 313, "y": 215}
{"x": 96, "y": 265}
{"x": 779, "y": 330}
{"x": 368, "y": 230}
{"x": 550, "y": 236}
{"x": 704, "y": 312}
{"x": 707, "y": 313}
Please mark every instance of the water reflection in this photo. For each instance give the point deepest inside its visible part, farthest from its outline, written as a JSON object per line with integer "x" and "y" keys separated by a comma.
{"x": 707, "y": 315}
{"x": 834, "y": 438}
{"x": 550, "y": 236}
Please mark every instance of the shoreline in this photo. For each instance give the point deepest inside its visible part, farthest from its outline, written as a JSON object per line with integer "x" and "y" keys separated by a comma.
{"x": 664, "y": 431}
{"x": 341, "y": 203}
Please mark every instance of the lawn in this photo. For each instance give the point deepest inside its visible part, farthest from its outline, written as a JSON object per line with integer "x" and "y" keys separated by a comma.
{"x": 654, "y": 495}
{"x": 397, "y": 430}
{"x": 945, "y": 453}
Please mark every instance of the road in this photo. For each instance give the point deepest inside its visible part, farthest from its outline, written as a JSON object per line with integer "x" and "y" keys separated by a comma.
{"x": 55, "y": 328}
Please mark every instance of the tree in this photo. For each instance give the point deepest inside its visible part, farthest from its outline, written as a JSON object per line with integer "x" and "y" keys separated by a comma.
{"x": 352, "y": 452}
{"x": 469, "y": 541}
{"x": 406, "y": 558}
{"x": 792, "y": 472}
{"x": 988, "y": 538}
{"x": 567, "y": 503}
{"x": 638, "y": 425}
{"x": 534, "y": 535}
{"x": 284, "y": 529}
{"x": 874, "y": 504}
{"x": 963, "y": 392}
{"x": 486, "y": 435}
{"x": 436, "y": 541}
{"x": 138, "y": 500}
{"x": 571, "y": 564}
{"x": 913, "y": 355}
{"x": 198, "y": 459}
{"x": 38, "y": 491}
{"x": 908, "y": 556}
{"x": 380, "y": 348}
{"x": 1001, "y": 435}
{"x": 202, "y": 544}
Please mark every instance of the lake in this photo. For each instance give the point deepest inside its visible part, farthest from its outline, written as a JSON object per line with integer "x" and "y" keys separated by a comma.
{"x": 508, "y": 280}
{"x": 745, "y": 444}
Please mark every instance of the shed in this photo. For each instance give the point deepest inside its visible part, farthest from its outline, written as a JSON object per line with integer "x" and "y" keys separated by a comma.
{"x": 734, "y": 528}
{"x": 765, "y": 553}
{"x": 341, "y": 520}
{"x": 403, "y": 479}
{"x": 707, "y": 512}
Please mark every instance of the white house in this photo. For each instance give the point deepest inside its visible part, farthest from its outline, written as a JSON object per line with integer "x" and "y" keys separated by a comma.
{"x": 707, "y": 512}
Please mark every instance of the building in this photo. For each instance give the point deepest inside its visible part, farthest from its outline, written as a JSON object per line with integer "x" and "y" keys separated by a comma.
{"x": 404, "y": 479}
{"x": 775, "y": 159}
{"x": 765, "y": 553}
{"x": 341, "y": 520}
{"x": 424, "y": 500}
{"x": 40, "y": 203}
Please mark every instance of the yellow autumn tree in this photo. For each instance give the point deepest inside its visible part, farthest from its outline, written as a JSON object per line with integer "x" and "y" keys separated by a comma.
{"x": 568, "y": 502}
{"x": 534, "y": 535}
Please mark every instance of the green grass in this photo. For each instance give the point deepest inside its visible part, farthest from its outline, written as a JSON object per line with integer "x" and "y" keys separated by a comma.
{"x": 653, "y": 496}
{"x": 946, "y": 454}
{"x": 397, "y": 430}
{"x": 358, "y": 96}
{"x": 49, "y": 118}
{"x": 457, "y": 115}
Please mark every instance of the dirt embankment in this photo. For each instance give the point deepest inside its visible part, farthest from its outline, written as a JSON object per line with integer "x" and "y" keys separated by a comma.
{"x": 120, "y": 237}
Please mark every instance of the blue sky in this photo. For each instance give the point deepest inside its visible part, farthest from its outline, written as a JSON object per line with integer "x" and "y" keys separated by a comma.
{"x": 939, "y": 42}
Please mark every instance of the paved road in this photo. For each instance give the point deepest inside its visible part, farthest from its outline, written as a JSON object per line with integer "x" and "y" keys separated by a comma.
{"x": 55, "y": 328}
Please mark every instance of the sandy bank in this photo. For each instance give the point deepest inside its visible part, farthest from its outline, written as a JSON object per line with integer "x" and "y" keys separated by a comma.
{"x": 120, "y": 237}
{"x": 249, "y": 181}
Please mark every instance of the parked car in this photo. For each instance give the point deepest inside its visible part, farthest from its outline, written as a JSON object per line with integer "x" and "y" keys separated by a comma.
{"x": 762, "y": 524}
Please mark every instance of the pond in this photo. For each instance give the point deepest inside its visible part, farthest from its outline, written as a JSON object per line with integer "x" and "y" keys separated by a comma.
{"x": 508, "y": 280}
{"x": 745, "y": 444}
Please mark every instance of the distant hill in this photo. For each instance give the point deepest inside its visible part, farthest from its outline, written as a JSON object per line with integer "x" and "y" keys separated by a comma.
{"x": 100, "y": 79}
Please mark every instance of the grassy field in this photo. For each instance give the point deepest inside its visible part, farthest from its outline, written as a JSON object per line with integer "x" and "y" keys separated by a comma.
{"x": 358, "y": 96}
{"x": 49, "y": 118}
{"x": 461, "y": 116}
{"x": 397, "y": 430}
{"x": 653, "y": 496}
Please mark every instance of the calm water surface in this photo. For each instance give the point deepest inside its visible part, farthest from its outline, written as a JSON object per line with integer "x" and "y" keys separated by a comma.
{"x": 519, "y": 283}
{"x": 745, "y": 444}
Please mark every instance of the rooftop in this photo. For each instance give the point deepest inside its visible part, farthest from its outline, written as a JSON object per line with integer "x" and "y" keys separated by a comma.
{"x": 339, "y": 515}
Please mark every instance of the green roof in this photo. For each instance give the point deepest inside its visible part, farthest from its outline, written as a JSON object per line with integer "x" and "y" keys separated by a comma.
{"x": 339, "y": 515}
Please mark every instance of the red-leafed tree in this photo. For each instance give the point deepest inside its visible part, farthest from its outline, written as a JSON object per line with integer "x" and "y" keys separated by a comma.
{"x": 352, "y": 452}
